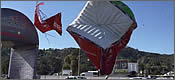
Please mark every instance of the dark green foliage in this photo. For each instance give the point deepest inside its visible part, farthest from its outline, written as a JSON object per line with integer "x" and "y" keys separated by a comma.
{"x": 5, "y": 56}
{"x": 71, "y": 61}
{"x": 86, "y": 64}
{"x": 67, "y": 60}
{"x": 51, "y": 61}
{"x": 66, "y": 66}
{"x": 151, "y": 63}
{"x": 74, "y": 66}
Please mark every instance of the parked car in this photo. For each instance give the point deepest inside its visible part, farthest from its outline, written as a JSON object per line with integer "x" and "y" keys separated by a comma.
{"x": 139, "y": 78}
{"x": 76, "y": 77}
{"x": 161, "y": 78}
{"x": 71, "y": 77}
{"x": 81, "y": 77}
{"x": 132, "y": 74}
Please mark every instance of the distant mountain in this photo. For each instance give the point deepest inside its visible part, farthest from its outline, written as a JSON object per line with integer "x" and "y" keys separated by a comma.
{"x": 135, "y": 54}
{"x": 151, "y": 63}
{"x": 53, "y": 60}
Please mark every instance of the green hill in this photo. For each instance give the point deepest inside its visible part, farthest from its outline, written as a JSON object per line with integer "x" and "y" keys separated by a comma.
{"x": 53, "y": 60}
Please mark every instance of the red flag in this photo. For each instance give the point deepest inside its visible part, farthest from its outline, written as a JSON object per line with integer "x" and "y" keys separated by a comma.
{"x": 52, "y": 23}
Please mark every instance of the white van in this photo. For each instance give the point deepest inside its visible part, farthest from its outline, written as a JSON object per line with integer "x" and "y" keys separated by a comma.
{"x": 86, "y": 74}
{"x": 89, "y": 73}
{"x": 66, "y": 72}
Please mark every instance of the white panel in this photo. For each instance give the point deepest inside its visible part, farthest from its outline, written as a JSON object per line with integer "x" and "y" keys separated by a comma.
{"x": 101, "y": 22}
{"x": 23, "y": 63}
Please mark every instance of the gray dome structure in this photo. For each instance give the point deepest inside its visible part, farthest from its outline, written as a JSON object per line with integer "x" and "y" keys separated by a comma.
{"x": 19, "y": 34}
{"x": 16, "y": 29}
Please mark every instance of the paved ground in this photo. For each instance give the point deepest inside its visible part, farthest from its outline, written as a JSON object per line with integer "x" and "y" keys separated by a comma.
{"x": 63, "y": 77}
{"x": 93, "y": 78}
{"x": 100, "y": 78}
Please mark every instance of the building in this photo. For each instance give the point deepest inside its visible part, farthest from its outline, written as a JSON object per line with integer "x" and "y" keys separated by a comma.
{"x": 133, "y": 67}
{"x": 124, "y": 66}
{"x": 66, "y": 72}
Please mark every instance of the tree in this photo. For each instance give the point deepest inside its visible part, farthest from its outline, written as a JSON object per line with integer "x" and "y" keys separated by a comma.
{"x": 66, "y": 66}
{"x": 67, "y": 60}
{"x": 5, "y": 65}
{"x": 48, "y": 64}
{"x": 5, "y": 58}
{"x": 74, "y": 67}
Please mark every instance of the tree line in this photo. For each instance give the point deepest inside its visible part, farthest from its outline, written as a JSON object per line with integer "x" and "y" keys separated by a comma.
{"x": 50, "y": 61}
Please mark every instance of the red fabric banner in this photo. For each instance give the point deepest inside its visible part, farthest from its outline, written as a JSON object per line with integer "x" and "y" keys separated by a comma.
{"x": 52, "y": 23}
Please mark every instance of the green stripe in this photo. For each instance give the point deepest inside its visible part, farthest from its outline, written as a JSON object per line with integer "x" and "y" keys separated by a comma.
{"x": 124, "y": 7}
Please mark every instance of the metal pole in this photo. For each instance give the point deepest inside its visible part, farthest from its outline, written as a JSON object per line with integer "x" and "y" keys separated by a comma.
{"x": 101, "y": 62}
{"x": 79, "y": 63}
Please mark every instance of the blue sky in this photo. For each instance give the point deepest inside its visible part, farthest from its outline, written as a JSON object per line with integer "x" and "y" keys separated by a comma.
{"x": 155, "y": 20}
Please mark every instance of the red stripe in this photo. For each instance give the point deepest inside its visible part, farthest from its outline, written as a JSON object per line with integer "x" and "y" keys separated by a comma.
{"x": 12, "y": 35}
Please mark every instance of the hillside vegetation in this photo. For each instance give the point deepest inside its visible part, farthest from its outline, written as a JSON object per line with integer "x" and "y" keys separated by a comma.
{"x": 51, "y": 61}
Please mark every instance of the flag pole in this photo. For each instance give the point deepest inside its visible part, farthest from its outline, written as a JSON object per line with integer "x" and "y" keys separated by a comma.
{"x": 79, "y": 63}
